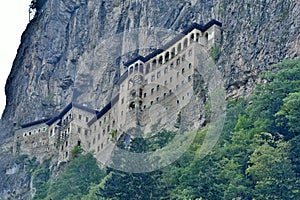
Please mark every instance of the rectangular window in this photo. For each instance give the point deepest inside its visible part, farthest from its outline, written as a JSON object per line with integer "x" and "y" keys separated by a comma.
{"x": 152, "y": 90}
{"x": 79, "y": 117}
{"x": 86, "y": 119}
{"x": 157, "y": 87}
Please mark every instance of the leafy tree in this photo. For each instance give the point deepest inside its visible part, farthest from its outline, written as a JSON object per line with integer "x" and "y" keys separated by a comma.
{"x": 288, "y": 117}
{"x": 75, "y": 180}
{"x": 271, "y": 171}
{"x": 268, "y": 99}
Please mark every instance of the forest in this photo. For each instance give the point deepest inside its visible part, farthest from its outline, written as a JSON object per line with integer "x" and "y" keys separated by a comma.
{"x": 256, "y": 157}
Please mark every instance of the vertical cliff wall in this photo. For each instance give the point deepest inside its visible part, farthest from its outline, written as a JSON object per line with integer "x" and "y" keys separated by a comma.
{"x": 72, "y": 50}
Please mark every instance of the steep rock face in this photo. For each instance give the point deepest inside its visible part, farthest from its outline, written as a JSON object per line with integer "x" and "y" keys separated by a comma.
{"x": 72, "y": 50}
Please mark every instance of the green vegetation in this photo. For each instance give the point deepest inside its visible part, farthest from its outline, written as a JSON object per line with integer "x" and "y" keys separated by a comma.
{"x": 215, "y": 53}
{"x": 256, "y": 157}
{"x": 76, "y": 151}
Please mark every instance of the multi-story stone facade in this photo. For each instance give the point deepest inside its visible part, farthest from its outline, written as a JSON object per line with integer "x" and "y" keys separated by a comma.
{"x": 152, "y": 91}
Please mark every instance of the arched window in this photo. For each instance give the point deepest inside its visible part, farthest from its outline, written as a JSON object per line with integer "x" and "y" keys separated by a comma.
{"x": 147, "y": 68}
{"x": 173, "y": 53}
{"x": 141, "y": 68}
{"x": 167, "y": 56}
{"x": 197, "y": 37}
{"x": 154, "y": 64}
{"x": 206, "y": 37}
{"x": 133, "y": 93}
{"x": 160, "y": 60}
{"x": 136, "y": 67}
{"x": 130, "y": 70}
{"x": 132, "y": 106}
{"x": 185, "y": 43}
{"x": 192, "y": 38}
{"x": 182, "y": 70}
{"x": 179, "y": 47}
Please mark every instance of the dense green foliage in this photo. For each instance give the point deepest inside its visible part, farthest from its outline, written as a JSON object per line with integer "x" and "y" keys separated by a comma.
{"x": 256, "y": 157}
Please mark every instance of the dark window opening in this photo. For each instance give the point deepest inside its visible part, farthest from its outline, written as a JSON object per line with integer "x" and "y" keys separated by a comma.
{"x": 160, "y": 60}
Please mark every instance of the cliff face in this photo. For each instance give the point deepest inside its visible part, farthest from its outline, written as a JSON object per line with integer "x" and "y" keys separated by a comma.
{"x": 72, "y": 50}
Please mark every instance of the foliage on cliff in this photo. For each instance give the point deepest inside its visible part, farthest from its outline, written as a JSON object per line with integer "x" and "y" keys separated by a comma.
{"x": 255, "y": 158}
